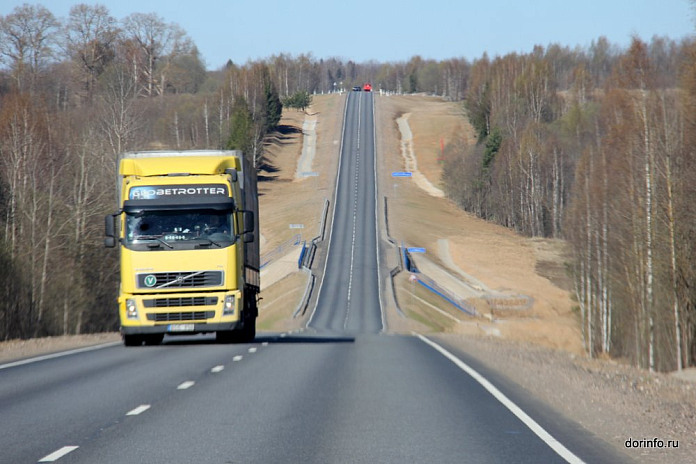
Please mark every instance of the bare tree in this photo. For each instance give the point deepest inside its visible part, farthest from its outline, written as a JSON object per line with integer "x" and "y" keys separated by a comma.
{"x": 89, "y": 37}
{"x": 157, "y": 43}
{"x": 120, "y": 121}
{"x": 27, "y": 41}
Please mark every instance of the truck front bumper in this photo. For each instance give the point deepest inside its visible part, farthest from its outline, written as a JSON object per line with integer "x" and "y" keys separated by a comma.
{"x": 175, "y": 329}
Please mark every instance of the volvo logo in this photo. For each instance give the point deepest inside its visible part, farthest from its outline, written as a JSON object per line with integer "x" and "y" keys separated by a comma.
{"x": 150, "y": 280}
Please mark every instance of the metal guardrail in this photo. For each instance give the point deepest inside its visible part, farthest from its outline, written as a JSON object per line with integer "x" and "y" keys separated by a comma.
{"x": 450, "y": 297}
{"x": 399, "y": 267}
{"x": 267, "y": 258}
{"x": 307, "y": 259}
{"x": 303, "y": 253}
{"x": 433, "y": 286}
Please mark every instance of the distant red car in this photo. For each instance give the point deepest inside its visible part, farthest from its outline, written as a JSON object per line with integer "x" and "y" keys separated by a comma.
{"x": 367, "y": 87}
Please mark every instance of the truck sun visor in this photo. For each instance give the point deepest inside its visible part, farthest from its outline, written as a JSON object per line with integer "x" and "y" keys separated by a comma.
{"x": 157, "y": 192}
{"x": 172, "y": 197}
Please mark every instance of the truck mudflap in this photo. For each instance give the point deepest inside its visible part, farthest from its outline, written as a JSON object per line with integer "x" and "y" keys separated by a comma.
{"x": 181, "y": 329}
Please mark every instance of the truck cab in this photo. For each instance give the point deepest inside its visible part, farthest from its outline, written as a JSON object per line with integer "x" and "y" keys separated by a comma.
{"x": 187, "y": 233}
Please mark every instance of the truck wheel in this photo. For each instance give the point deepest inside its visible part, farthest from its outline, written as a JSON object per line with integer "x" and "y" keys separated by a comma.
{"x": 225, "y": 336}
{"x": 248, "y": 333}
{"x": 155, "y": 339}
{"x": 132, "y": 340}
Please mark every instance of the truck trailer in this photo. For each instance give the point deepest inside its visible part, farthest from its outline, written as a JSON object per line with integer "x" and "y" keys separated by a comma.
{"x": 188, "y": 237}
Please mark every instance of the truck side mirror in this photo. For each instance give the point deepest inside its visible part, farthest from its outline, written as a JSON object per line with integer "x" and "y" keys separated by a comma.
{"x": 248, "y": 221}
{"x": 232, "y": 173}
{"x": 110, "y": 231}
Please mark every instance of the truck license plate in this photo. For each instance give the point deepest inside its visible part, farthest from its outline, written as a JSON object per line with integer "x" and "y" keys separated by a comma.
{"x": 180, "y": 328}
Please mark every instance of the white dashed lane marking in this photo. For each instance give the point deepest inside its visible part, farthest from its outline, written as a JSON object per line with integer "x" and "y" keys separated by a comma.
{"x": 186, "y": 385}
{"x": 139, "y": 410}
{"x": 59, "y": 454}
{"x": 355, "y": 219}
{"x": 217, "y": 369}
{"x": 252, "y": 350}
{"x": 237, "y": 358}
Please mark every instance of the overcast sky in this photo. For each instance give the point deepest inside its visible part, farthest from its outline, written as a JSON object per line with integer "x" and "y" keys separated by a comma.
{"x": 362, "y": 30}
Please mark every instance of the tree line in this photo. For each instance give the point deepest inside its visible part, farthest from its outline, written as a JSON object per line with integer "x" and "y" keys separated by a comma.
{"x": 589, "y": 144}
{"x": 595, "y": 147}
{"x": 75, "y": 93}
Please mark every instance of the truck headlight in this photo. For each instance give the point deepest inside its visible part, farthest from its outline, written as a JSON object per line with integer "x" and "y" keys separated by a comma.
{"x": 228, "y": 307}
{"x": 131, "y": 309}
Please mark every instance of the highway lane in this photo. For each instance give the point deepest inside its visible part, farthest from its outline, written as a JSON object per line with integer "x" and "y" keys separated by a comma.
{"x": 342, "y": 391}
{"x": 348, "y": 296}
{"x": 58, "y": 402}
{"x": 372, "y": 399}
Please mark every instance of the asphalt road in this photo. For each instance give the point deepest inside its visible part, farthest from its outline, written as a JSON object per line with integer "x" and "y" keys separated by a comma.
{"x": 348, "y": 298}
{"x": 342, "y": 391}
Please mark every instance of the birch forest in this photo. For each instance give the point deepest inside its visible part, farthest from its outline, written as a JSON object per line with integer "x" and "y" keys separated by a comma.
{"x": 596, "y": 146}
{"x": 592, "y": 144}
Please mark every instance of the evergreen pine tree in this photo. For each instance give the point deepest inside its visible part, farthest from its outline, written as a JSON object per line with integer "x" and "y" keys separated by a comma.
{"x": 273, "y": 108}
{"x": 242, "y": 133}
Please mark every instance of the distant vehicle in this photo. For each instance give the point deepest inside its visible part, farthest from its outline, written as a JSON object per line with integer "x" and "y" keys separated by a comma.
{"x": 367, "y": 87}
{"x": 357, "y": 88}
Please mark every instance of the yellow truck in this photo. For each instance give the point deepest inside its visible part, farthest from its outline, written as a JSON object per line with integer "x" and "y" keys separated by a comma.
{"x": 187, "y": 232}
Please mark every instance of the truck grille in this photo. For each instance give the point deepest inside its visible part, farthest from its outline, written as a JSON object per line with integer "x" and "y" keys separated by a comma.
{"x": 183, "y": 316}
{"x": 178, "y": 302}
{"x": 189, "y": 279}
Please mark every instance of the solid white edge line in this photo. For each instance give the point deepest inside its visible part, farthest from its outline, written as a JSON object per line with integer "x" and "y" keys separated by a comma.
{"x": 554, "y": 444}
{"x": 58, "y": 454}
{"x": 374, "y": 159}
{"x": 58, "y": 355}
{"x": 139, "y": 410}
{"x": 217, "y": 369}
{"x": 186, "y": 385}
{"x": 333, "y": 213}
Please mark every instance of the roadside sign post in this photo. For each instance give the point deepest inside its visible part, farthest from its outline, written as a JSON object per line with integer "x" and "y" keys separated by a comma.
{"x": 400, "y": 174}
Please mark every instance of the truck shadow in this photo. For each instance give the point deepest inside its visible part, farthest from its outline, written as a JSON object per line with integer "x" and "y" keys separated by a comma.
{"x": 260, "y": 338}
{"x": 308, "y": 339}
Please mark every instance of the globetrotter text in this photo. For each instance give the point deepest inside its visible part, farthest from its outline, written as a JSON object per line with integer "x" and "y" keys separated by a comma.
{"x": 150, "y": 193}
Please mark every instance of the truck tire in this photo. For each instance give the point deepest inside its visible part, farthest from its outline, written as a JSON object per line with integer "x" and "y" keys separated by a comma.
{"x": 132, "y": 340}
{"x": 154, "y": 339}
{"x": 248, "y": 333}
{"x": 225, "y": 336}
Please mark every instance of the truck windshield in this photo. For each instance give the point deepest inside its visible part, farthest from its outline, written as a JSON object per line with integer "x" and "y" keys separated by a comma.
{"x": 174, "y": 227}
